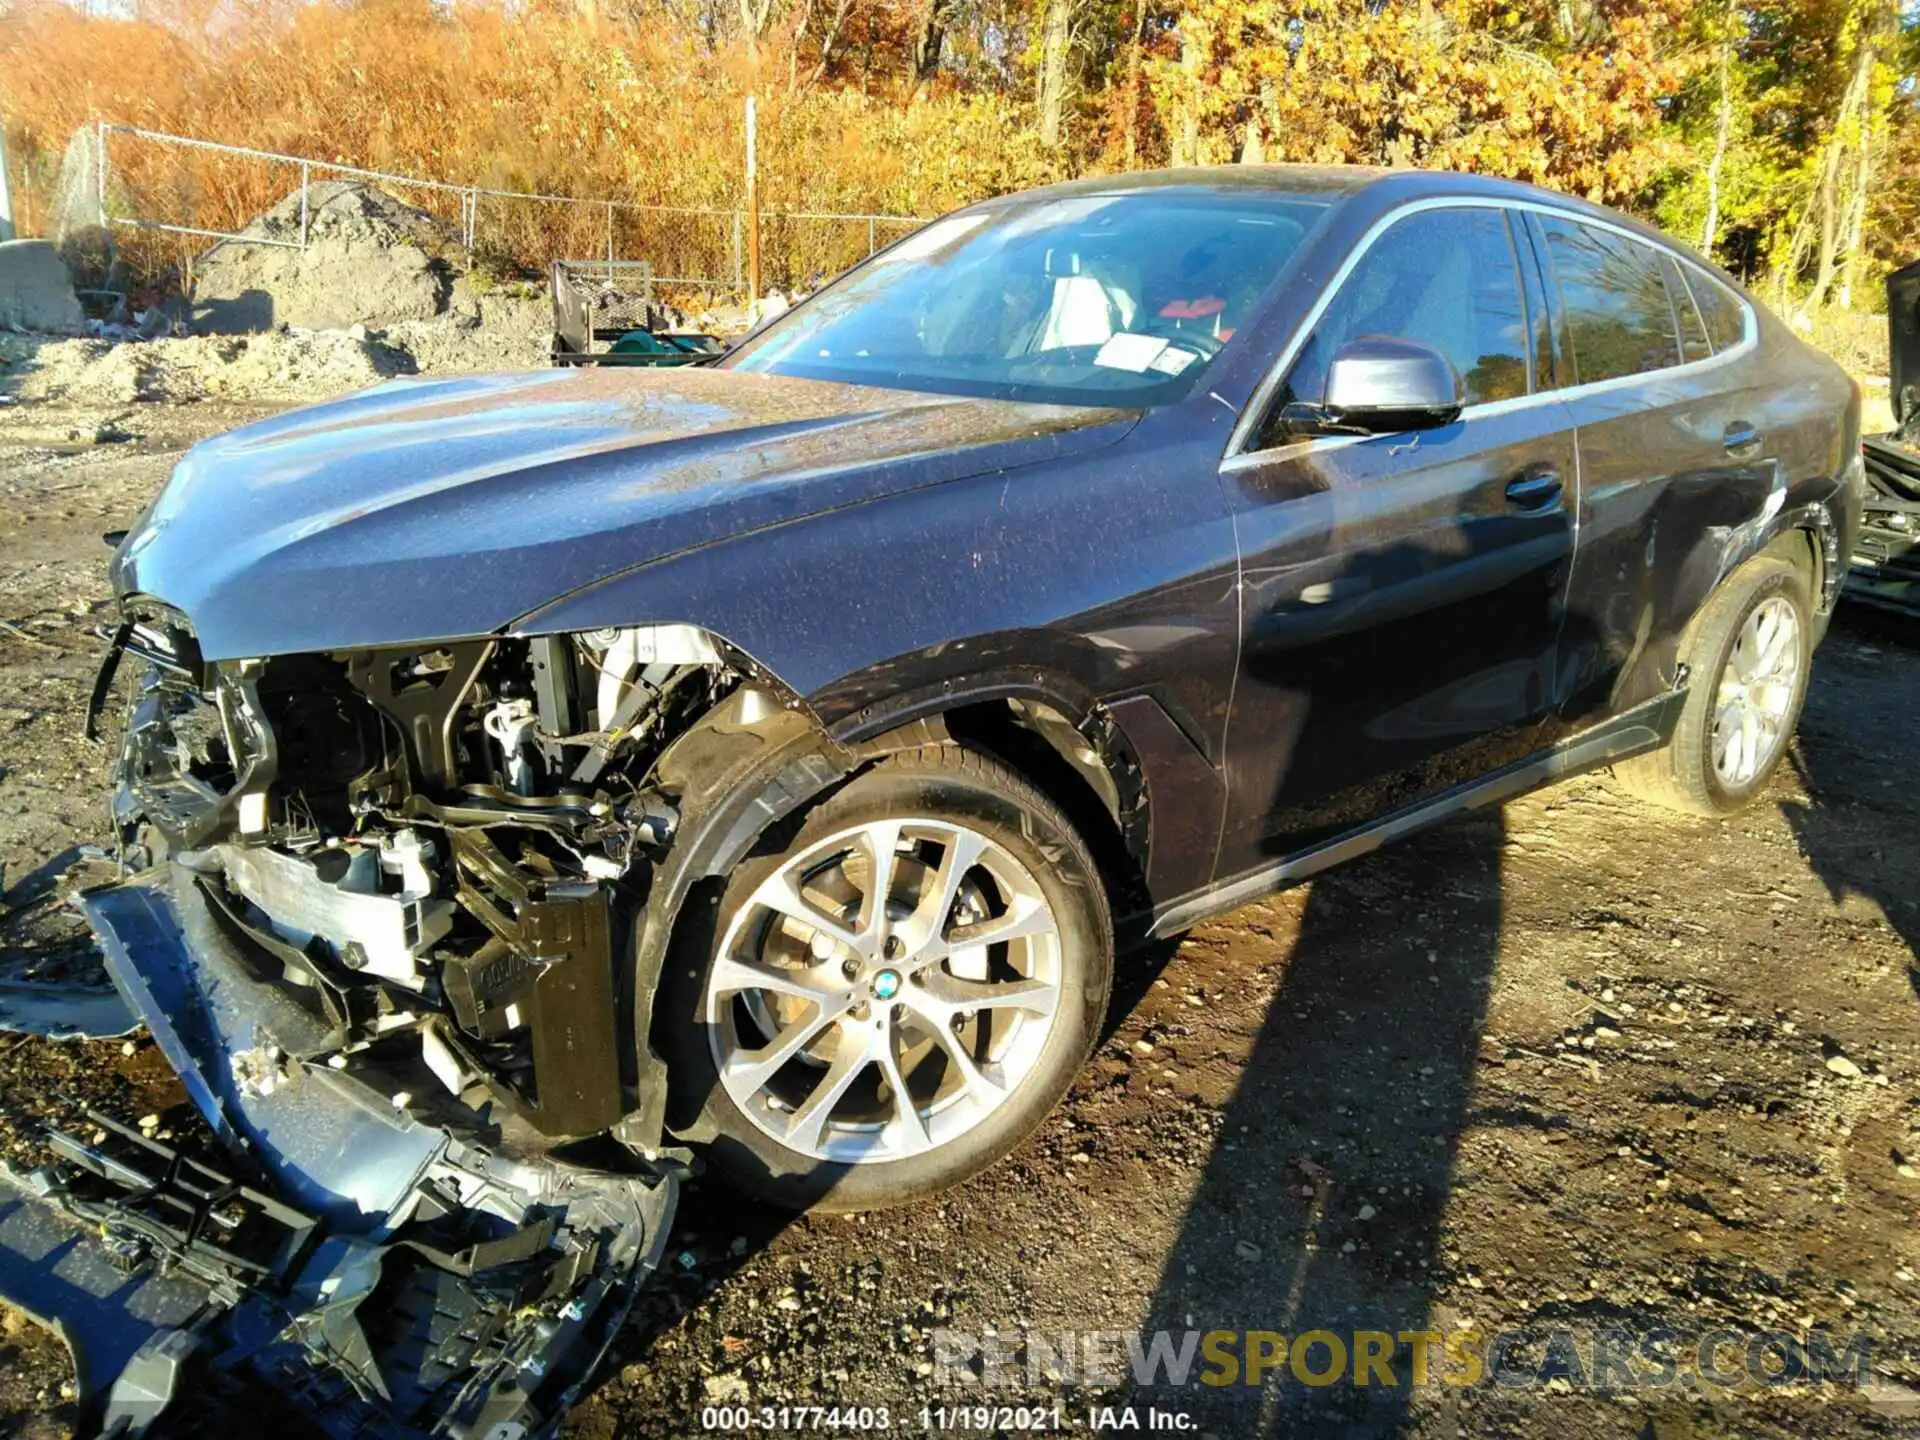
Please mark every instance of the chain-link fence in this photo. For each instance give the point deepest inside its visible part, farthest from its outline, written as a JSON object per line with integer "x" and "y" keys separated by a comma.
{"x": 165, "y": 196}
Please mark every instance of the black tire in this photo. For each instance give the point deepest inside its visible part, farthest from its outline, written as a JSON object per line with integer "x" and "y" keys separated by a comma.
{"x": 1681, "y": 776}
{"x": 942, "y": 782}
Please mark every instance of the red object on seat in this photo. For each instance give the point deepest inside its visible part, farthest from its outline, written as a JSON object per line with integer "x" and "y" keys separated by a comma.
{"x": 1193, "y": 309}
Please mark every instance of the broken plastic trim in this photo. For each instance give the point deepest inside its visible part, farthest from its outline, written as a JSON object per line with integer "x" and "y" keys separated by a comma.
{"x": 384, "y": 1268}
{"x": 1885, "y": 568}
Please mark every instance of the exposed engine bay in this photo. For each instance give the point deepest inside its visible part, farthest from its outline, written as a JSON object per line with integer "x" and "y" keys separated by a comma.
{"x": 448, "y": 844}
{"x": 376, "y": 909}
{"x": 1885, "y": 569}
{"x": 1886, "y": 559}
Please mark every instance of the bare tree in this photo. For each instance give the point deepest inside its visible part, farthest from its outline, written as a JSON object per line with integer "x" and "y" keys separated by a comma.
{"x": 754, "y": 15}
{"x": 1056, "y": 41}
{"x": 928, "y": 43}
{"x": 829, "y": 42}
{"x": 1850, "y": 131}
{"x": 1723, "y": 125}
{"x": 1133, "y": 81}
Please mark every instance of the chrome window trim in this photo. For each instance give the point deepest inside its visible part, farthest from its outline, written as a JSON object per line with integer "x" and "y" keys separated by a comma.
{"x": 1239, "y": 456}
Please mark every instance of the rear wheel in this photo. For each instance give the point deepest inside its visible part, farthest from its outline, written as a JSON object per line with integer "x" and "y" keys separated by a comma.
{"x": 1750, "y": 656}
{"x": 891, "y": 997}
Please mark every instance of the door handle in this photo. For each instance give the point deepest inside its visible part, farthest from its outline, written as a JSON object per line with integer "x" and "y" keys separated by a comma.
{"x": 1741, "y": 438}
{"x": 1535, "y": 487}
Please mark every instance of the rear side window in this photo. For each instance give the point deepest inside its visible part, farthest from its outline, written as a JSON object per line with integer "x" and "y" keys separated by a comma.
{"x": 1447, "y": 278}
{"x": 1725, "y": 317}
{"x": 1615, "y": 299}
{"x": 1693, "y": 331}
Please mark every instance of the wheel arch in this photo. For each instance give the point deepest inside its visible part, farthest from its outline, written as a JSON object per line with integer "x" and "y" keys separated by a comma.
{"x": 764, "y": 757}
{"x": 1807, "y": 539}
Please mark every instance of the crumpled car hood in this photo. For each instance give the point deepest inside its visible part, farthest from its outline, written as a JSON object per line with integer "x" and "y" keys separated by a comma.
{"x": 430, "y": 509}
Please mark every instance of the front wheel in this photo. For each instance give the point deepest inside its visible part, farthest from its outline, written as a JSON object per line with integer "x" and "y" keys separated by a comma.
{"x": 889, "y": 998}
{"x": 1750, "y": 657}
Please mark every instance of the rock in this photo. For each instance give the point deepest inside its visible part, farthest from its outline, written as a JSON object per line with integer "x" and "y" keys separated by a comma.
{"x": 1143, "y": 1048}
{"x": 35, "y": 291}
{"x": 1246, "y": 1250}
{"x": 727, "y": 1389}
{"x": 1367, "y": 1212}
{"x": 1841, "y": 1065}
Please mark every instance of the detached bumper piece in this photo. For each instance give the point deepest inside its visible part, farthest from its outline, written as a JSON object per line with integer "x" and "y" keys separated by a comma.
{"x": 1886, "y": 559}
{"x": 374, "y": 1264}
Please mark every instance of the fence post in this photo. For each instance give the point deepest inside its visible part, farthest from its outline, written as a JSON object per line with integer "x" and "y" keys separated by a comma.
{"x": 609, "y": 242}
{"x": 6, "y": 194}
{"x": 306, "y": 181}
{"x": 753, "y": 210}
{"x": 100, "y": 172}
{"x": 870, "y": 244}
{"x": 736, "y": 252}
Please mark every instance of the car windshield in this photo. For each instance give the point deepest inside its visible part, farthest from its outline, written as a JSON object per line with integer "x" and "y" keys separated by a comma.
{"x": 1078, "y": 300}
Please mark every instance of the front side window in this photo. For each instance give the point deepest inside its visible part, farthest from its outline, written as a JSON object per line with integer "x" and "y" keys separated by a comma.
{"x": 1615, "y": 298}
{"x": 1446, "y": 278}
{"x": 1118, "y": 299}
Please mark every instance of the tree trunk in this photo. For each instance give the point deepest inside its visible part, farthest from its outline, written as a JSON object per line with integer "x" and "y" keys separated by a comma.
{"x": 927, "y": 45}
{"x": 1133, "y": 82}
{"x": 1054, "y": 43}
{"x": 753, "y": 19}
{"x": 793, "y": 50}
{"x": 1849, "y": 120}
{"x": 1856, "y": 216}
{"x": 1193, "y": 54}
{"x": 1723, "y": 124}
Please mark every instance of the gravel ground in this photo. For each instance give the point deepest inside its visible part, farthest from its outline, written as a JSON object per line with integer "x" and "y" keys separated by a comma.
{"x": 1582, "y": 1065}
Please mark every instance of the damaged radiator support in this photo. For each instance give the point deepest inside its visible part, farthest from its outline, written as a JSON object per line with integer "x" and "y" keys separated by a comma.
{"x": 549, "y": 966}
{"x": 370, "y": 1254}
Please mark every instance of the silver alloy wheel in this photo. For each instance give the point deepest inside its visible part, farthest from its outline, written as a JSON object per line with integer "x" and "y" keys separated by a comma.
{"x": 1751, "y": 708}
{"x": 855, "y": 1031}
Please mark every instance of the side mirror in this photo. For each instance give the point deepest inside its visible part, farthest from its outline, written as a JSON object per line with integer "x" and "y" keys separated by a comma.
{"x": 1379, "y": 384}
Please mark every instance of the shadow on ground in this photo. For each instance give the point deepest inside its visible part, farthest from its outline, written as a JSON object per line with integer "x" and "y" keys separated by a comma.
{"x": 1323, "y": 1207}
{"x": 1854, "y": 798}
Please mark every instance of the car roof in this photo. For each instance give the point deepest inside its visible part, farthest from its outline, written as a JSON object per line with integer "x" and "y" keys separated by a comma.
{"x": 1334, "y": 183}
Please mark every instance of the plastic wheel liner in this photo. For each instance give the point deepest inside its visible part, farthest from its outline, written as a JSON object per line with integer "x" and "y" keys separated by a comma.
{"x": 383, "y": 1257}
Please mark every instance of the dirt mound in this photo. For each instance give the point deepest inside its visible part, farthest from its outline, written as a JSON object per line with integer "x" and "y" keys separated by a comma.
{"x": 498, "y": 329}
{"x": 199, "y": 367}
{"x": 369, "y": 259}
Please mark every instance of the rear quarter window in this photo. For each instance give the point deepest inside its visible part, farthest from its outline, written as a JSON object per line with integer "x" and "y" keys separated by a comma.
{"x": 1615, "y": 298}
{"x": 1725, "y": 316}
{"x": 1694, "y": 344}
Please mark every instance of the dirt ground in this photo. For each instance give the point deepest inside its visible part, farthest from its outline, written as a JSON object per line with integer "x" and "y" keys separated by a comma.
{"x": 1580, "y": 1066}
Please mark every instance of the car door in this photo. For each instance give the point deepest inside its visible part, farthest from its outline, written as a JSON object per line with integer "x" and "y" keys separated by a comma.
{"x": 1674, "y": 446}
{"x": 1401, "y": 594}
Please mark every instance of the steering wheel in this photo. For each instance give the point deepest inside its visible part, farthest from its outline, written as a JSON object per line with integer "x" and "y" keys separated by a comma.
{"x": 1205, "y": 345}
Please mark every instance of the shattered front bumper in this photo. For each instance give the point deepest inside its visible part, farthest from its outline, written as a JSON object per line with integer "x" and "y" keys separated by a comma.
{"x": 1885, "y": 569}
{"x": 427, "y": 1267}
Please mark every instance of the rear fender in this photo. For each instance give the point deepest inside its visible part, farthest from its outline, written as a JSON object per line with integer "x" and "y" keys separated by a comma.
{"x": 1721, "y": 551}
